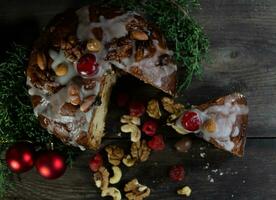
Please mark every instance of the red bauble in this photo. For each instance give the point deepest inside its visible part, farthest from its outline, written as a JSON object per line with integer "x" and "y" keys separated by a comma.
{"x": 191, "y": 121}
{"x": 20, "y": 157}
{"x": 87, "y": 65}
{"x": 50, "y": 165}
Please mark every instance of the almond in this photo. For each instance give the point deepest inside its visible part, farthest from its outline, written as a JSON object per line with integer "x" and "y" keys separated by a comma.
{"x": 87, "y": 102}
{"x": 139, "y": 35}
{"x": 41, "y": 60}
{"x": 61, "y": 70}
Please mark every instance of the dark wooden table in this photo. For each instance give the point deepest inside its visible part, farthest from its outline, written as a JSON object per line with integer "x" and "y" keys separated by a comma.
{"x": 243, "y": 54}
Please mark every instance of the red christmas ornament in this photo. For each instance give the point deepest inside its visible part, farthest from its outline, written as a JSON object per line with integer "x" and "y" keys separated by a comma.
{"x": 50, "y": 165}
{"x": 150, "y": 127}
{"x": 191, "y": 121}
{"x": 87, "y": 65}
{"x": 20, "y": 157}
{"x": 136, "y": 108}
{"x": 96, "y": 162}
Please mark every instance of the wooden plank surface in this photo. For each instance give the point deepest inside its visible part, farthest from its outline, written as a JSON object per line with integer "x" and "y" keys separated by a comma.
{"x": 252, "y": 177}
{"x": 243, "y": 47}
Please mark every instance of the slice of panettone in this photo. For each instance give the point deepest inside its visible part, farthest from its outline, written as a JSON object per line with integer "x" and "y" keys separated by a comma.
{"x": 222, "y": 122}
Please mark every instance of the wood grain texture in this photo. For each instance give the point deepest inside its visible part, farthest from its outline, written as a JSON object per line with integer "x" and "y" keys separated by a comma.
{"x": 242, "y": 54}
{"x": 252, "y": 177}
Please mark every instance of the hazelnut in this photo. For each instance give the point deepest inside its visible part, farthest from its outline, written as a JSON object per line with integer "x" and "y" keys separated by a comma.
{"x": 61, "y": 70}
{"x": 210, "y": 125}
{"x": 183, "y": 145}
{"x": 94, "y": 45}
{"x": 139, "y": 35}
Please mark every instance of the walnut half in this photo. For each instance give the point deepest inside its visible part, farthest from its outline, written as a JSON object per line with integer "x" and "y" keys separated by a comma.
{"x": 115, "y": 154}
{"x": 135, "y": 191}
{"x": 140, "y": 151}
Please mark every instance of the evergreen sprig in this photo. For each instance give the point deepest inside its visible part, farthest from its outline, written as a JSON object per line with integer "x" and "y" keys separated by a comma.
{"x": 185, "y": 36}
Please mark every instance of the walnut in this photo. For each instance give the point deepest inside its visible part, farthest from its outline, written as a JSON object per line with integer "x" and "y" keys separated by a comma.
{"x": 135, "y": 191}
{"x": 127, "y": 119}
{"x": 115, "y": 154}
{"x": 140, "y": 151}
{"x": 153, "y": 109}
{"x": 172, "y": 107}
{"x": 101, "y": 178}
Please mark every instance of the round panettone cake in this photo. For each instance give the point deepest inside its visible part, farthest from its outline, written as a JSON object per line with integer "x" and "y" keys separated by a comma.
{"x": 78, "y": 58}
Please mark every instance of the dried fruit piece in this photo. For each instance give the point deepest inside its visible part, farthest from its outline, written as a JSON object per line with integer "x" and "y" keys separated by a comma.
{"x": 122, "y": 99}
{"x": 191, "y": 121}
{"x": 185, "y": 191}
{"x": 150, "y": 127}
{"x": 177, "y": 173}
{"x": 153, "y": 109}
{"x": 136, "y": 108}
{"x": 157, "y": 143}
{"x": 183, "y": 145}
{"x": 87, "y": 65}
{"x": 96, "y": 162}
{"x": 61, "y": 70}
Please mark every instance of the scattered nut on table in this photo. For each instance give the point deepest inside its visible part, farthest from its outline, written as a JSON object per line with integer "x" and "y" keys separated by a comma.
{"x": 140, "y": 151}
{"x": 117, "y": 175}
{"x": 133, "y": 130}
{"x": 115, "y": 154}
{"x": 127, "y": 119}
{"x": 129, "y": 161}
{"x": 185, "y": 191}
{"x": 101, "y": 178}
{"x": 135, "y": 191}
{"x": 112, "y": 192}
{"x": 153, "y": 109}
{"x": 172, "y": 107}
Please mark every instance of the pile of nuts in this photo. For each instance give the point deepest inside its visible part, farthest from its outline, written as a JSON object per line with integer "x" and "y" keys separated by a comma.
{"x": 139, "y": 152}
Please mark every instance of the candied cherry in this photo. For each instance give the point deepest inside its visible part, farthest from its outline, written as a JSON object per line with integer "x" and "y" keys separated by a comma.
{"x": 87, "y": 65}
{"x": 136, "y": 108}
{"x": 150, "y": 127}
{"x": 191, "y": 121}
{"x": 156, "y": 143}
{"x": 96, "y": 162}
{"x": 177, "y": 173}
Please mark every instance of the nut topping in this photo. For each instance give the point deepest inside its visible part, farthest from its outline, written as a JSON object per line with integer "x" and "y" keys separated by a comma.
{"x": 172, "y": 107}
{"x": 117, "y": 175}
{"x": 135, "y": 191}
{"x": 153, "y": 109}
{"x": 210, "y": 125}
{"x": 133, "y": 130}
{"x": 94, "y": 45}
{"x": 41, "y": 60}
{"x": 61, "y": 70}
{"x": 74, "y": 94}
{"x": 68, "y": 109}
{"x": 139, "y": 35}
{"x": 115, "y": 154}
{"x": 112, "y": 192}
{"x": 129, "y": 161}
{"x": 140, "y": 151}
{"x": 101, "y": 178}
{"x": 130, "y": 119}
{"x": 87, "y": 103}
{"x": 185, "y": 191}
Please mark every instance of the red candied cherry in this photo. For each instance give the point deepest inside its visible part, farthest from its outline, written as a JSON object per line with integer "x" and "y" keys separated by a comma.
{"x": 87, "y": 65}
{"x": 96, "y": 162}
{"x": 150, "y": 127}
{"x": 136, "y": 108}
{"x": 191, "y": 121}
{"x": 156, "y": 143}
{"x": 122, "y": 99}
{"x": 177, "y": 173}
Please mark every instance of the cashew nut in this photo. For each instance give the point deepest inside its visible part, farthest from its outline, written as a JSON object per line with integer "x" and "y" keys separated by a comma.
{"x": 127, "y": 119}
{"x": 112, "y": 192}
{"x": 185, "y": 191}
{"x": 117, "y": 175}
{"x": 134, "y": 130}
{"x": 129, "y": 161}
